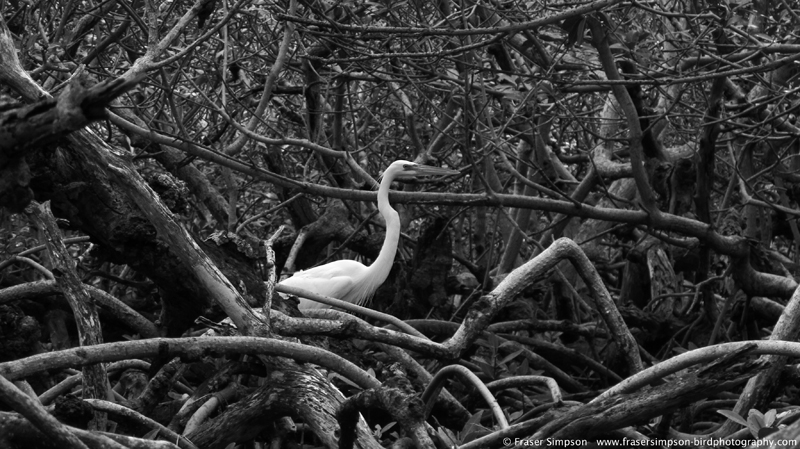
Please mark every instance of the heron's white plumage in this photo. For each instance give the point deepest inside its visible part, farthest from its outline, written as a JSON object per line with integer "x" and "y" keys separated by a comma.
{"x": 336, "y": 279}
{"x": 352, "y": 281}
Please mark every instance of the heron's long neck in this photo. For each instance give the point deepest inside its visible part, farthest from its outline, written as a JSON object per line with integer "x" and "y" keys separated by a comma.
{"x": 383, "y": 264}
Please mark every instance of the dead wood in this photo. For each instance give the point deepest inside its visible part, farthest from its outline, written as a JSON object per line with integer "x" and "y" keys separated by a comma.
{"x": 597, "y": 418}
{"x": 17, "y": 433}
{"x": 95, "y": 378}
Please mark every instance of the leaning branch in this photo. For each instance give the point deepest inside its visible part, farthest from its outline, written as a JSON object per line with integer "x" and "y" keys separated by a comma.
{"x": 482, "y": 313}
{"x": 50, "y": 119}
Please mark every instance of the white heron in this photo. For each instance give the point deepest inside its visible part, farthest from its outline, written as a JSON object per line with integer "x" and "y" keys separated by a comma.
{"x": 352, "y": 281}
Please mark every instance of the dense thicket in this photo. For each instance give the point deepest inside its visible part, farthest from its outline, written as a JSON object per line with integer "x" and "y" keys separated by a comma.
{"x": 627, "y": 198}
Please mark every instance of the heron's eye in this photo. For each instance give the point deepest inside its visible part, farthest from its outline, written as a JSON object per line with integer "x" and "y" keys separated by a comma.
{"x": 409, "y": 166}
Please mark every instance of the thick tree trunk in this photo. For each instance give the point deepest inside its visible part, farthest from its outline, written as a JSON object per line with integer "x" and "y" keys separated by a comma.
{"x": 290, "y": 390}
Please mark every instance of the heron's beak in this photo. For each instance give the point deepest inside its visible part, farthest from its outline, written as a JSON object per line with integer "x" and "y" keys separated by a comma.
{"x": 427, "y": 170}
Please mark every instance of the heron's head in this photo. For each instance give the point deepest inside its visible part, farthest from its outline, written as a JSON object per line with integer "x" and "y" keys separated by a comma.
{"x": 411, "y": 170}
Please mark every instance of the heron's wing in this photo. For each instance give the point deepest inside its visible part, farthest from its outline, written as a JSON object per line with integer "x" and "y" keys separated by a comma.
{"x": 335, "y": 286}
{"x": 336, "y": 279}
